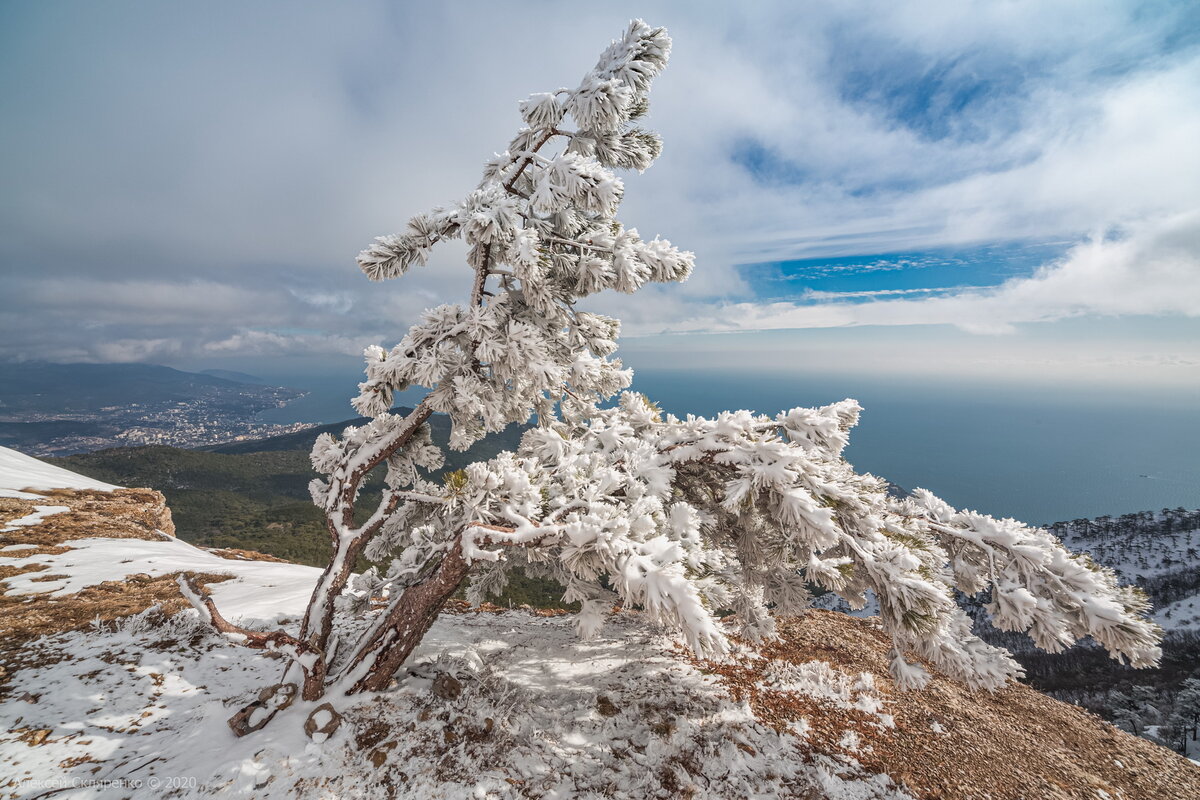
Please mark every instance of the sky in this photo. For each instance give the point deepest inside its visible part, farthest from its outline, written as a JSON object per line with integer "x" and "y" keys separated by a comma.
{"x": 1002, "y": 189}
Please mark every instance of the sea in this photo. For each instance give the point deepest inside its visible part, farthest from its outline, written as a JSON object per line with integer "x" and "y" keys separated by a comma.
{"x": 1037, "y": 453}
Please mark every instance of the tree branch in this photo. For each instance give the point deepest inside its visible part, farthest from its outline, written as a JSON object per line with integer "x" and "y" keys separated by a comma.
{"x": 280, "y": 640}
{"x": 525, "y": 161}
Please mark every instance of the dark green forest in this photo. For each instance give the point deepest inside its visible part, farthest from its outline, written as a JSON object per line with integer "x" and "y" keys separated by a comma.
{"x": 252, "y": 495}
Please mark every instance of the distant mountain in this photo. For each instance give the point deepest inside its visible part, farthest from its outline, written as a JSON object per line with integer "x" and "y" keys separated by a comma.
{"x": 236, "y": 377}
{"x": 47, "y": 388}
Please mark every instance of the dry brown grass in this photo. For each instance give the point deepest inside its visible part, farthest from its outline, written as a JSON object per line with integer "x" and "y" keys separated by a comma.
{"x": 458, "y": 606}
{"x": 56, "y": 576}
{"x": 238, "y": 554}
{"x": 120, "y": 514}
{"x": 12, "y": 508}
{"x": 27, "y": 616}
{"x": 8, "y": 570}
{"x": 1014, "y": 743}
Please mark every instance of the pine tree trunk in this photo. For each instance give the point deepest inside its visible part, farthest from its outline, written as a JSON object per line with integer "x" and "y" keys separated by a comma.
{"x": 407, "y": 623}
{"x": 317, "y": 625}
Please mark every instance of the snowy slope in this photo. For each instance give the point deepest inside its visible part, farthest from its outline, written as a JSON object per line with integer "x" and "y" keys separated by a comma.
{"x": 1138, "y": 555}
{"x": 157, "y": 691}
{"x": 19, "y": 471}
{"x": 261, "y": 590}
{"x": 527, "y": 723}
{"x": 1183, "y": 613}
{"x": 1162, "y": 559}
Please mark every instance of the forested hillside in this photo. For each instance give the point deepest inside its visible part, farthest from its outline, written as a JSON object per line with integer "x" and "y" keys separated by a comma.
{"x": 251, "y": 495}
{"x": 1158, "y": 552}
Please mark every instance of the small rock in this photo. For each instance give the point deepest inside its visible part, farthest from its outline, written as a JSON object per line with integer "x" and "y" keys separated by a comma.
{"x": 251, "y": 718}
{"x": 446, "y": 686}
{"x": 279, "y": 696}
{"x": 322, "y": 722}
{"x": 606, "y": 707}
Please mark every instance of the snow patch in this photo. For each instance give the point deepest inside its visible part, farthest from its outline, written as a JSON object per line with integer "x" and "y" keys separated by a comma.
{"x": 821, "y": 681}
{"x": 137, "y": 705}
{"x": 261, "y": 590}
{"x": 19, "y": 471}
{"x": 39, "y": 514}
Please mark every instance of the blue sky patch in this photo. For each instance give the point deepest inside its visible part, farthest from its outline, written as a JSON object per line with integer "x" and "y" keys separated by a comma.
{"x": 887, "y": 275}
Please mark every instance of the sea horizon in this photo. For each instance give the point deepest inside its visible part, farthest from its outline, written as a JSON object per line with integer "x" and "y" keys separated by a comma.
{"x": 1038, "y": 453}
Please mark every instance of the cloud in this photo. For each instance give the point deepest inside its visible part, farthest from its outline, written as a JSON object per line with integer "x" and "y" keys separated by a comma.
{"x": 337, "y": 302}
{"x": 125, "y": 350}
{"x": 204, "y": 176}
{"x": 1152, "y": 268}
{"x": 270, "y": 343}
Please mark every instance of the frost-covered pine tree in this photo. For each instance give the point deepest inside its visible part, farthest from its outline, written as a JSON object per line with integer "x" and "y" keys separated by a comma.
{"x": 608, "y": 496}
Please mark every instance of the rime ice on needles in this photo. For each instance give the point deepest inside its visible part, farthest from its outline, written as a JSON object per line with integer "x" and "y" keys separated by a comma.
{"x": 684, "y": 518}
{"x": 747, "y": 512}
{"x": 542, "y": 225}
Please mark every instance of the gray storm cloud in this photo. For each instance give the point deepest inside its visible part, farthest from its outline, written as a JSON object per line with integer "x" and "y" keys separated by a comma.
{"x": 193, "y": 181}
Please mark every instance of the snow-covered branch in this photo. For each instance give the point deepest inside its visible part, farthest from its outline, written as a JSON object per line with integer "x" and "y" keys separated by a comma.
{"x": 278, "y": 640}
{"x": 685, "y": 518}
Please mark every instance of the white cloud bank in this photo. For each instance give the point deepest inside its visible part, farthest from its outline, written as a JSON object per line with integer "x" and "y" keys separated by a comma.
{"x": 187, "y": 181}
{"x": 1153, "y": 268}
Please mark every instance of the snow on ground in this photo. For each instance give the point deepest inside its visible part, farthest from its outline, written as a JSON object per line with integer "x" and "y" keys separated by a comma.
{"x": 537, "y": 713}
{"x": 1181, "y": 614}
{"x": 1151, "y": 558}
{"x": 819, "y": 680}
{"x": 28, "y": 521}
{"x": 139, "y": 707}
{"x": 39, "y": 514}
{"x": 509, "y": 704}
{"x": 261, "y": 590}
{"x": 19, "y": 471}
{"x": 1138, "y": 554}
